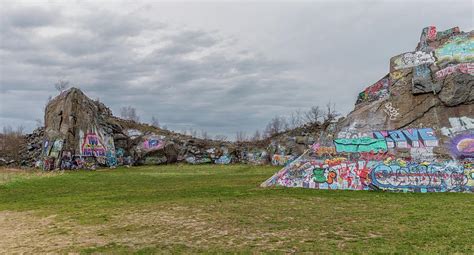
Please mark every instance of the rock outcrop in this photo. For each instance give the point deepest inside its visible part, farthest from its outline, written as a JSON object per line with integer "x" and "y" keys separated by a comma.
{"x": 413, "y": 130}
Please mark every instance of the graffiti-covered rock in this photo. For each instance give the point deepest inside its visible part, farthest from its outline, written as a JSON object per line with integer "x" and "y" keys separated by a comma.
{"x": 413, "y": 130}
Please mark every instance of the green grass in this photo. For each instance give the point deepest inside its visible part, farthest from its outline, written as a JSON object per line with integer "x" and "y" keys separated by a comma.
{"x": 218, "y": 209}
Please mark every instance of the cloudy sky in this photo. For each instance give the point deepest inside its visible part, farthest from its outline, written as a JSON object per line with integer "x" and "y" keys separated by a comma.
{"x": 220, "y": 67}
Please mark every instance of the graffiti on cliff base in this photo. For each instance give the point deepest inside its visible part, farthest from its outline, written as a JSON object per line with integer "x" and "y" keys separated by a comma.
{"x": 421, "y": 178}
{"x": 92, "y": 146}
{"x": 408, "y": 138}
{"x": 194, "y": 160}
{"x": 223, "y": 160}
{"x": 256, "y": 157}
{"x": 56, "y": 148}
{"x": 458, "y": 48}
{"x": 422, "y": 154}
{"x": 364, "y": 144}
{"x": 281, "y": 160}
{"x": 411, "y": 59}
{"x": 153, "y": 143}
{"x": 45, "y": 150}
{"x": 391, "y": 111}
{"x": 467, "y": 68}
{"x": 157, "y": 160}
{"x": 462, "y": 146}
{"x": 325, "y": 151}
{"x": 458, "y": 125}
{"x": 134, "y": 133}
{"x": 387, "y": 173}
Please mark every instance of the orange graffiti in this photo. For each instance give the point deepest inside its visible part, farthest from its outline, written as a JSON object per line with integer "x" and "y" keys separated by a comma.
{"x": 325, "y": 151}
{"x": 331, "y": 176}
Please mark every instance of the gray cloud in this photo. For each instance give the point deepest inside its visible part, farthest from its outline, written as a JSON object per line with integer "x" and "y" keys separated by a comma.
{"x": 221, "y": 67}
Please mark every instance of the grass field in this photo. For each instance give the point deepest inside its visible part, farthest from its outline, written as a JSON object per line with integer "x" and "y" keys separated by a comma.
{"x": 216, "y": 209}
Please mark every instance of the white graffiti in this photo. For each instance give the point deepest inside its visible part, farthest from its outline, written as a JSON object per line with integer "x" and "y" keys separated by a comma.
{"x": 133, "y": 133}
{"x": 411, "y": 59}
{"x": 422, "y": 154}
{"x": 391, "y": 111}
{"x": 467, "y": 68}
{"x": 458, "y": 125}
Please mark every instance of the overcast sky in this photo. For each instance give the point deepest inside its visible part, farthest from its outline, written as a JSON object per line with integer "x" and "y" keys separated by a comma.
{"x": 220, "y": 67}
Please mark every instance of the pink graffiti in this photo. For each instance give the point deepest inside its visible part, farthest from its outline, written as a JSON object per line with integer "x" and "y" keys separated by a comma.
{"x": 431, "y": 35}
{"x": 467, "y": 68}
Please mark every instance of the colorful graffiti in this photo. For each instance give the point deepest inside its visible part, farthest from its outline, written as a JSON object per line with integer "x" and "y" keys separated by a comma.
{"x": 457, "y": 48}
{"x": 133, "y": 133}
{"x": 364, "y": 174}
{"x": 391, "y": 111}
{"x": 364, "y": 144}
{"x": 45, "y": 148}
{"x": 324, "y": 151}
{"x": 411, "y": 59}
{"x": 193, "y": 160}
{"x": 467, "y": 68}
{"x": 91, "y": 146}
{"x": 431, "y": 33}
{"x": 281, "y": 160}
{"x": 255, "y": 157}
{"x": 153, "y": 143}
{"x": 56, "y": 148}
{"x": 408, "y": 138}
{"x": 374, "y": 92}
{"x": 396, "y": 75}
{"x": 66, "y": 160}
{"x": 462, "y": 146}
{"x": 421, "y": 178}
{"x": 458, "y": 125}
{"x": 48, "y": 164}
{"x": 155, "y": 160}
{"x": 223, "y": 160}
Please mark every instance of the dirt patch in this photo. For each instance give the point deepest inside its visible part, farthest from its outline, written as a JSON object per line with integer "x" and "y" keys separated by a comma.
{"x": 25, "y": 232}
{"x": 192, "y": 229}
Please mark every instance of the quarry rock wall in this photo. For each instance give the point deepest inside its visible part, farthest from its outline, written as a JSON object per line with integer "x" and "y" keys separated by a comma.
{"x": 413, "y": 130}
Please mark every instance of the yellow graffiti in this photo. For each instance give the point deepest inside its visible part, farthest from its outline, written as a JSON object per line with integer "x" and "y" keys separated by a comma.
{"x": 470, "y": 176}
{"x": 396, "y": 75}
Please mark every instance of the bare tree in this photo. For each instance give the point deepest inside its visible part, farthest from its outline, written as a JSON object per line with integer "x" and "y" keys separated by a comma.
{"x": 11, "y": 142}
{"x": 240, "y": 136}
{"x": 220, "y": 138}
{"x": 61, "y": 85}
{"x": 331, "y": 113}
{"x": 276, "y": 125}
{"x": 192, "y": 132}
{"x": 256, "y": 136}
{"x": 313, "y": 115}
{"x": 204, "y": 135}
{"x": 296, "y": 119}
{"x": 155, "y": 122}
{"x": 129, "y": 113}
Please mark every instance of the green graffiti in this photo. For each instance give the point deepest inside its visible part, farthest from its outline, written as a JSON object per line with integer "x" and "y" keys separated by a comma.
{"x": 318, "y": 175}
{"x": 363, "y": 144}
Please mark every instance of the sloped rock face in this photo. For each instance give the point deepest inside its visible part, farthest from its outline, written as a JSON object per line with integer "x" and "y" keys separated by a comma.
{"x": 413, "y": 130}
{"x": 427, "y": 88}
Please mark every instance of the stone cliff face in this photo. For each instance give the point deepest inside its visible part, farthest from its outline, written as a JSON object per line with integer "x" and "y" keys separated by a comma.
{"x": 431, "y": 87}
{"x": 413, "y": 130}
